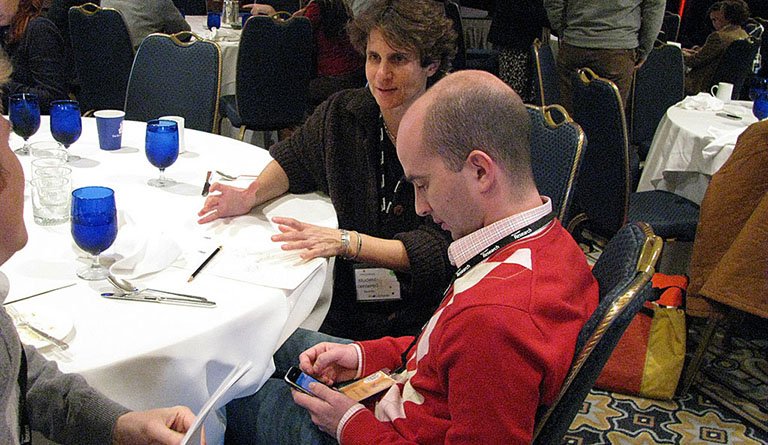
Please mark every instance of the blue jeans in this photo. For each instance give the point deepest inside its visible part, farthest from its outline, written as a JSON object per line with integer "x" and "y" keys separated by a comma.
{"x": 270, "y": 416}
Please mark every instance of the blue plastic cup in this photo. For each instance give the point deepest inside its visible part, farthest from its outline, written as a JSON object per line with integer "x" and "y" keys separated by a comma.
{"x": 109, "y": 123}
{"x": 214, "y": 20}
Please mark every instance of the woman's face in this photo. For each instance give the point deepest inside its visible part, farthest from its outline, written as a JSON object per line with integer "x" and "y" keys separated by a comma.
{"x": 718, "y": 20}
{"x": 395, "y": 77}
{"x": 8, "y": 9}
{"x": 13, "y": 233}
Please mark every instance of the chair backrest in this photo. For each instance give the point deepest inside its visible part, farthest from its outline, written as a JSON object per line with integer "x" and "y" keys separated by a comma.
{"x": 623, "y": 272}
{"x": 191, "y": 7}
{"x": 670, "y": 25}
{"x": 274, "y": 65}
{"x": 763, "y": 47}
{"x": 736, "y": 64}
{"x": 557, "y": 147}
{"x": 546, "y": 89}
{"x": 453, "y": 12}
{"x": 754, "y": 28}
{"x": 657, "y": 85}
{"x": 103, "y": 55}
{"x": 175, "y": 77}
{"x": 602, "y": 193}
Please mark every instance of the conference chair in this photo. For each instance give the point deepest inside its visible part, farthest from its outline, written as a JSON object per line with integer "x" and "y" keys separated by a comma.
{"x": 557, "y": 147}
{"x": 603, "y": 196}
{"x": 274, "y": 66}
{"x": 736, "y": 64}
{"x": 623, "y": 274}
{"x": 657, "y": 85}
{"x": 670, "y": 26}
{"x": 103, "y": 55}
{"x": 191, "y": 7}
{"x": 453, "y": 12}
{"x": 177, "y": 75}
{"x": 546, "y": 89}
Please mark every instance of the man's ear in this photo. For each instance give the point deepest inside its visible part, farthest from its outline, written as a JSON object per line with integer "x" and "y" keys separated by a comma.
{"x": 482, "y": 168}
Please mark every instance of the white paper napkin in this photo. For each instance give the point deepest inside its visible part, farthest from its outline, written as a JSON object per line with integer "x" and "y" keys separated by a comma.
{"x": 702, "y": 102}
{"x": 140, "y": 250}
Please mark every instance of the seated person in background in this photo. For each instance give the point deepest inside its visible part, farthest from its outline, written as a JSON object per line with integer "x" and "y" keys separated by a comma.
{"x": 500, "y": 344}
{"x": 144, "y": 17}
{"x": 346, "y": 149}
{"x": 727, "y": 18}
{"x": 37, "y": 52}
{"x": 339, "y": 65}
{"x": 60, "y": 406}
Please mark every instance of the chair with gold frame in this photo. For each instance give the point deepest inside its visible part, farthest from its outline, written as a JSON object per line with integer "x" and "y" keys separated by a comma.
{"x": 557, "y": 147}
{"x": 178, "y": 75}
{"x": 623, "y": 273}
{"x": 103, "y": 55}
{"x": 545, "y": 86}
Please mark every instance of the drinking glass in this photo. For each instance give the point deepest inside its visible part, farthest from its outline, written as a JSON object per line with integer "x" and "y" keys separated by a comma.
{"x": 760, "y": 105}
{"x": 94, "y": 226}
{"x": 24, "y": 114}
{"x": 757, "y": 85}
{"x": 162, "y": 148}
{"x": 65, "y": 121}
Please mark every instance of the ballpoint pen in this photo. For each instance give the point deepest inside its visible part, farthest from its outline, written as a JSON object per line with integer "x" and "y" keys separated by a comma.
{"x": 207, "y": 184}
{"x": 207, "y": 260}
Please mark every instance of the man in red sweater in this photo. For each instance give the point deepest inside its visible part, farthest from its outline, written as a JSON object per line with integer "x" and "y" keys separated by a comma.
{"x": 501, "y": 342}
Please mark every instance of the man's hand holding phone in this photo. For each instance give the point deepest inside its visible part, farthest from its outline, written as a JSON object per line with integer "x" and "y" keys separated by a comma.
{"x": 326, "y": 406}
{"x": 330, "y": 363}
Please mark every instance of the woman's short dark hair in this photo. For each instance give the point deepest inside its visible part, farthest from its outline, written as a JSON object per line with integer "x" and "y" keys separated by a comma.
{"x": 734, "y": 11}
{"x": 414, "y": 25}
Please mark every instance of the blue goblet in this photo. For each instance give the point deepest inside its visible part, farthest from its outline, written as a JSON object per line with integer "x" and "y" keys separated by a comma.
{"x": 24, "y": 114}
{"x": 65, "y": 121}
{"x": 162, "y": 148}
{"x": 760, "y": 105}
{"x": 94, "y": 226}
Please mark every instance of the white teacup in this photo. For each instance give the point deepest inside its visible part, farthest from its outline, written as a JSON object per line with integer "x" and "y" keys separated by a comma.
{"x": 722, "y": 91}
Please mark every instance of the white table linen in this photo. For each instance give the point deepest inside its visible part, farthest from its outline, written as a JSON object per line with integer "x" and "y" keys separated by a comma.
{"x": 689, "y": 146}
{"x": 147, "y": 355}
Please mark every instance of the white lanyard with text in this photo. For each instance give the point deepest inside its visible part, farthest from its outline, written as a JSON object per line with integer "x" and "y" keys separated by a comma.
{"x": 474, "y": 261}
{"x": 386, "y": 206}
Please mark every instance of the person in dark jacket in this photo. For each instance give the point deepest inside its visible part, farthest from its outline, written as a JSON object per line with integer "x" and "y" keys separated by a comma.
{"x": 37, "y": 52}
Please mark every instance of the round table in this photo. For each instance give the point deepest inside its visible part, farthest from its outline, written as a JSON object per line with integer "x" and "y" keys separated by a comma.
{"x": 148, "y": 355}
{"x": 689, "y": 146}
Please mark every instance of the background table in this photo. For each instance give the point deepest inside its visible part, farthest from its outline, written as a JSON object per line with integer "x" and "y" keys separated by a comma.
{"x": 147, "y": 355}
{"x": 689, "y": 146}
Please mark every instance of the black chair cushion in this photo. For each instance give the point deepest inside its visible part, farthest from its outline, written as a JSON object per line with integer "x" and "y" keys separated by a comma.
{"x": 670, "y": 215}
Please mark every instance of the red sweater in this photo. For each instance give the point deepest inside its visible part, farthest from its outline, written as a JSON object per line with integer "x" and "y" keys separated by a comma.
{"x": 496, "y": 349}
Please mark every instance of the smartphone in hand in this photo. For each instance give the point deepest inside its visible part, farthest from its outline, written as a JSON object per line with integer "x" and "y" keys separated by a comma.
{"x": 300, "y": 381}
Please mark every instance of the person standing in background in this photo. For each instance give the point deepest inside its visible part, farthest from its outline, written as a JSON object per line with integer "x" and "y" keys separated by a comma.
{"x": 613, "y": 38}
{"x": 145, "y": 17}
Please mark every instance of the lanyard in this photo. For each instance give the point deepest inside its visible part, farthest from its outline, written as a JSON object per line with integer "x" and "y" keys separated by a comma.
{"x": 386, "y": 204}
{"x": 474, "y": 261}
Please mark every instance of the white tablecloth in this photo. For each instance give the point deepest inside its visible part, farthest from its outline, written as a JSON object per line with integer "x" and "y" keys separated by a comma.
{"x": 229, "y": 49}
{"x": 148, "y": 355}
{"x": 690, "y": 146}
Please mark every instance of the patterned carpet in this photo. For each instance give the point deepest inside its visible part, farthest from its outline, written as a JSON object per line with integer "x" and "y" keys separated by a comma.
{"x": 729, "y": 405}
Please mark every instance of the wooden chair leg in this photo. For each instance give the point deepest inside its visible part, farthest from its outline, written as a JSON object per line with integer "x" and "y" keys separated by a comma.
{"x": 706, "y": 338}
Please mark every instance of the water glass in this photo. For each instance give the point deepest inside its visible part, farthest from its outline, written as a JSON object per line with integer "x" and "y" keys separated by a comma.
{"x": 51, "y": 199}
{"x": 24, "y": 114}
{"x": 94, "y": 226}
{"x": 162, "y": 148}
{"x": 65, "y": 121}
{"x": 48, "y": 149}
{"x": 760, "y": 106}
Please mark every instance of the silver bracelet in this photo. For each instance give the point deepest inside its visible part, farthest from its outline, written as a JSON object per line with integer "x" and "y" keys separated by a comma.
{"x": 359, "y": 246}
{"x": 344, "y": 243}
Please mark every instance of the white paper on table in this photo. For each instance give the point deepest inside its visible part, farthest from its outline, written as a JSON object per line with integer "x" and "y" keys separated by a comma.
{"x": 194, "y": 433}
{"x": 266, "y": 266}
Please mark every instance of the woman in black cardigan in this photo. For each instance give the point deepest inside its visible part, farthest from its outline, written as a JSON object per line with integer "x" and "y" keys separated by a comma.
{"x": 36, "y": 50}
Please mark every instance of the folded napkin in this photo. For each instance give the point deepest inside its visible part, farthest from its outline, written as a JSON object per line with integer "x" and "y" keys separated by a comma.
{"x": 702, "y": 102}
{"x": 139, "y": 251}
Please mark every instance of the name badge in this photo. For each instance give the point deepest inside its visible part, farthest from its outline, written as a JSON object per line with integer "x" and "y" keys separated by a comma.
{"x": 376, "y": 284}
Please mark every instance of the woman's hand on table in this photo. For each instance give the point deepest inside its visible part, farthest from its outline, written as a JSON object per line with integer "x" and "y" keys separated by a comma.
{"x": 318, "y": 241}
{"x": 156, "y": 426}
{"x": 226, "y": 200}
